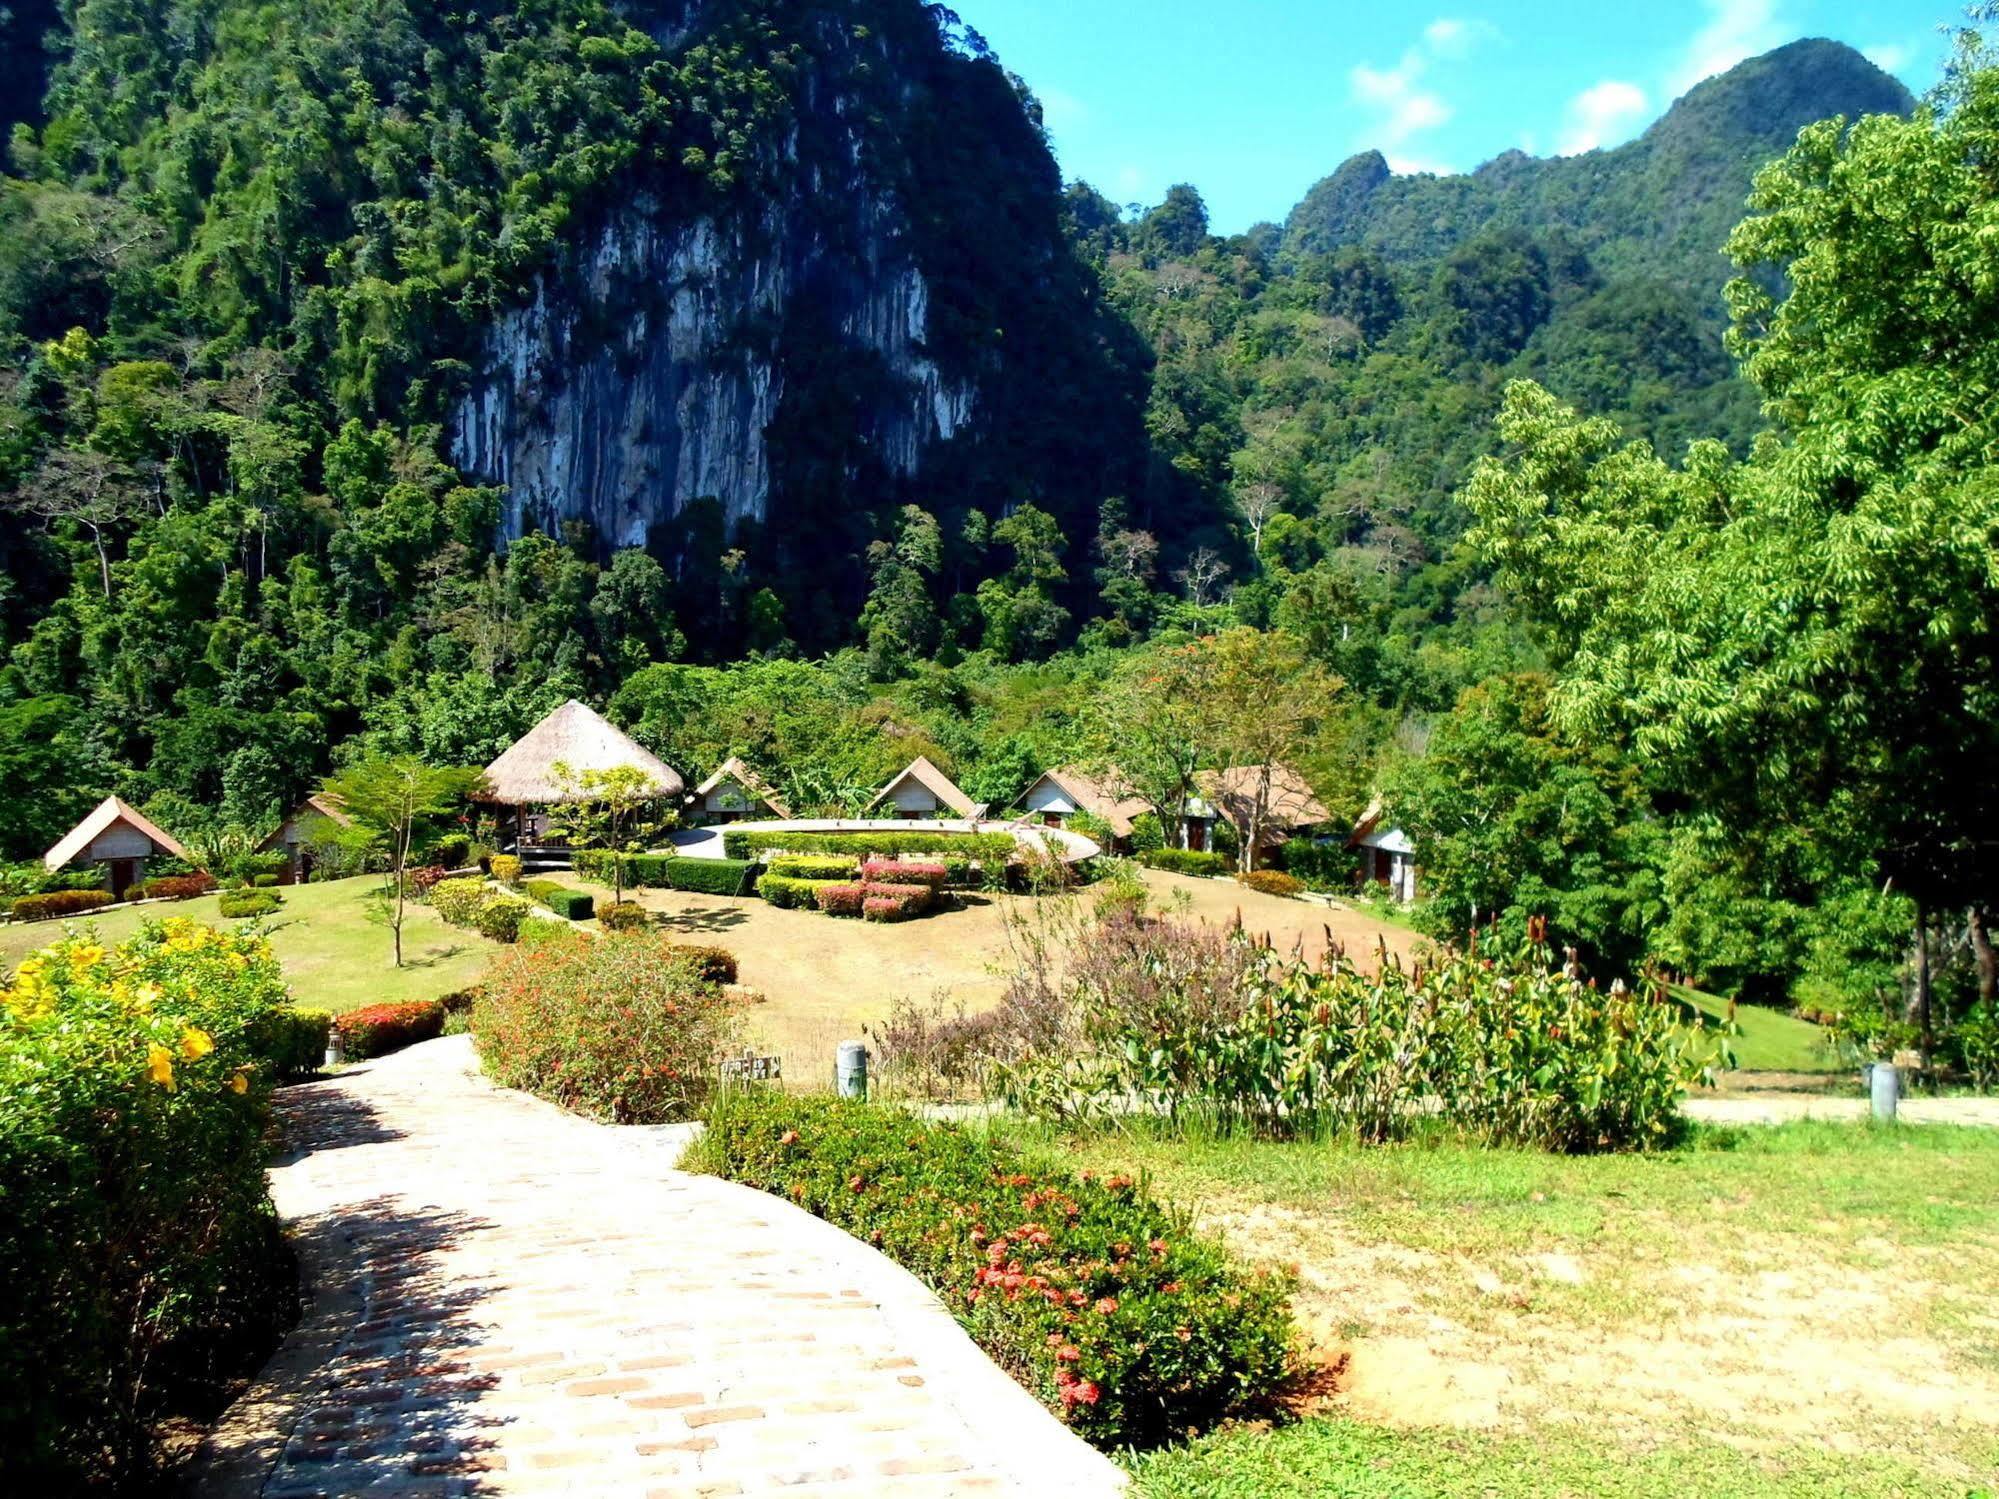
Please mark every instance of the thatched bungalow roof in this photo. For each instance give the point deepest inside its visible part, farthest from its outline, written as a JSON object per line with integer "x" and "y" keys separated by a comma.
{"x": 1292, "y": 802}
{"x": 733, "y": 769}
{"x": 573, "y": 736}
{"x": 1107, "y": 798}
{"x": 109, "y": 813}
{"x": 933, "y": 780}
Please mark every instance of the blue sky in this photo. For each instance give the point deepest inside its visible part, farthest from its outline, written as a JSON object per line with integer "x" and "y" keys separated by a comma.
{"x": 1254, "y": 100}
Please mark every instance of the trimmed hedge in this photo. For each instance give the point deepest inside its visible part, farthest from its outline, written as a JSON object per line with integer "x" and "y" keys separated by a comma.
{"x": 265, "y": 881}
{"x": 1187, "y": 861}
{"x": 642, "y": 871}
{"x": 507, "y": 868}
{"x": 895, "y": 872}
{"x": 710, "y": 876}
{"x": 458, "y": 900}
{"x": 623, "y": 916}
{"x": 500, "y": 917}
{"x": 788, "y": 894}
{"x": 989, "y": 848}
{"x": 816, "y": 866}
{"x": 293, "y": 1041}
{"x": 240, "y": 905}
{"x": 1272, "y": 882}
{"x": 842, "y": 899}
{"x": 571, "y": 905}
{"x": 377, "y": 1030}
{"x": 55, "y": 903}
{"x": 1102, "y": 1302}
{"x": 176, "y": 886}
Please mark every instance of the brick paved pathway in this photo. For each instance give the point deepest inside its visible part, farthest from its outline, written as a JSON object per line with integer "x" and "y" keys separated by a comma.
{"x": 511, "y": 1300}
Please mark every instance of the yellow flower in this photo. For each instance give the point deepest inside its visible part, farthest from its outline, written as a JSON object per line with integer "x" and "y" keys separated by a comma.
{"x": 196, "y": 1043}
{"x": 86, "y": 955}
{"x": 144, "y": 997}
{"x": 160, "y": 1065}
{"x": 240, "y": 1083}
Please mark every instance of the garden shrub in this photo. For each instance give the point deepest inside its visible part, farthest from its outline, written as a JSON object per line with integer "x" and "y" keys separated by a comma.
{"x": 1328, "y": 867}
{"x": 458, "y": 900}
{"x": 789, "y": 894}
{"x": 506, "y": 868}
{"x": 499, "y": 917}
{"x": 544, "y": 929}
{"x": 571, "y": 905}
{"x": 240, "y": 905}
{"x": 1102, "y": 1302}
{"x": 293, "y": 1042}
{"x": 714, "y": 965}
{"x": 176, "y": 886}
{"x": 894, "y": 872}
{"x": 896, "y": 902}
{"x": 55, "y": 903}
{"x": 641, "y": 871}
{"x": 1146, "y": 833}
{"x": 623, "y": 916}
{"x": 987, "y": 848}
{"x": 264, "y": 881}
{"x": 1187, "y": 861}
{"x": 143, "y": 1266}
{"x": 1272, "y": 882}
{"x": 709, "y": 876}
{"x": 377, "y": 1030}
{"x": 450, "y": 853}
{"x": 250, "y": 867}
{"x": 844, "y": 899}
{"x": 423, "y": 879}
{"x": 626, "y": 1031}
{"x": 816, "y": 866}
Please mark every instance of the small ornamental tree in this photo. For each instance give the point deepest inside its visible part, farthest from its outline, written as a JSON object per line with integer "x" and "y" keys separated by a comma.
{"x": 608, "y": 813}
{"x": 393, "y": 804}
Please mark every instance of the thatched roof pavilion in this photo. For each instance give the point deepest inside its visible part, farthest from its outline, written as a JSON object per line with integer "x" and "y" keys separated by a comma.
{"x": 573, "y": 736}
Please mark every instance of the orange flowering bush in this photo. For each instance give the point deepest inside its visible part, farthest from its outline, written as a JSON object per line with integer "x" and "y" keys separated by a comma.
{"x": 140, "y": 1260}
{"x": 627, "y": 1029}
{"x": 1101, "y": 1301}
{"x": 377, "y": 1030}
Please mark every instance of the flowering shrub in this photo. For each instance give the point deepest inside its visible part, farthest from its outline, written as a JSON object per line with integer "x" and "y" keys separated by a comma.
{"x": 499, "y": 917}
{"x": 506, "y": 869}
{"x": 59, "y": 903}
{"x": 1272, "y": 882}
{"x": 142, "y": 1260}
{"x": 623, "y": 916}
{"x": 627, "y": 1031}
{"x": 377, "y": 1030}
{"x": 714, "y": 965}
{"x": 896, "y": 902}
{"x": 1186, "y": 861}
{"x": 840, "y": 899}
{"x": 544, "y": 929}
{"x": 1100, "y": 1301}
{"x": 458, "y": 900}
{"x": 238, "y": 905}
{"x": 790, "y": 894}
{"x": 423, "y": 880}
{"x": 176, "y": 886}
{"x": 894, "y": 872}
{"x": 816, "y": 866}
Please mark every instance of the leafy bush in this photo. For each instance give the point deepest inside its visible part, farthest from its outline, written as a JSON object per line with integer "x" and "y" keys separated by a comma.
{"x": 458, "y": 900}
{"x": 1211, "y": 1026}
{"x": 709, "y": 876}
{"x": 623, "y": 916}
{"x": 841, "y": 899}
{"x": 816, "y": 866}
{"x": 253, "y": 866}
{"x": 1272, "y": 882}
{"x": 987, "y": 848}
{"x": 896, "y": 902}
{"x": 572, "y": 905}
{"x": 32, "y": 877}
{"x": 176, "y": 886}
{"x": 544, "y": 929}
{"x": 790, "y": 894}
{"x": 264, "y": 881}
{"x": 895, "y": 872}
{"x": 1146, "y": 833}
{"x": 239, "y": 905}
{"x": 55, "y": 903}
{"x": 423, "y": 879}
{"x": 500, "y": 916}
{"x": 143, "y": 1262}
{"x": 377, "y": 1030}
{"x": 293, "y": 1042}
{"x": 1186, "y": 861}
{"x": 1328, "y": 867}
{"x": 626, "y": 1031}
{"x": 714, "y": 965}
{"x": 506, "y": 869}
{"x": 1103, "y": 1303}
{"x": 454, "y": 852}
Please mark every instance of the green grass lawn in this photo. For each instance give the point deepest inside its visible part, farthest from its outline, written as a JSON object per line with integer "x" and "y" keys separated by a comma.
{"x": 1771, "y": 1041}
{"x": 334, "y": 946}
{"x": 1809, "y": 1309}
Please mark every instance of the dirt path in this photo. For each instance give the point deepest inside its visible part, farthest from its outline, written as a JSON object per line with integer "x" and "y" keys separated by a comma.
{"x": 512, "y": 1300}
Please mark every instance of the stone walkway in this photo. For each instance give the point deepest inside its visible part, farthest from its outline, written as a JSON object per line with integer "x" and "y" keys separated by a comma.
{"x": 1787, "y": 1108}
{"x": 511, "y": 1300}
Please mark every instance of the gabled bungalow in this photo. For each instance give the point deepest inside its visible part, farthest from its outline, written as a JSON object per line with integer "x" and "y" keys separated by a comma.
{"x": 1388, "y": 855}
{"x": 524, "y": 781}
{"x": 734, "y": 792}
{"x": 117, "y": 839}
{"x": 296, "y": 834}
{"x": 1292, "y": 810}
{"x": 922, "y": 790}
{"x": 1059, "y": 794}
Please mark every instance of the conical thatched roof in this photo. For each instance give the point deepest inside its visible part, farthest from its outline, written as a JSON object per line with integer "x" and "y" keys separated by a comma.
{"x": 579, "y": 739}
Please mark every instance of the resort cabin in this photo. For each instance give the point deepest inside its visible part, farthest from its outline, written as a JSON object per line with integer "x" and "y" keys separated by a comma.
{"x": 1059, "y": 794}
{"x": 924, "y": 791}
{"x": 1291, "y": 810}
{"x": 735, "y": 792}
{"x": 544, "y": 768}
{"x": 297, "y": 834}
{"x": 1388, "y": 855}
{"x": 118, "y": 840}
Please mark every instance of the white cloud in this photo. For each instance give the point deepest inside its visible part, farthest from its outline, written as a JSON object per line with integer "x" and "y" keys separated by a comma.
{"x": 1402, "y": 105}
{"x": 1890, "y": 57}
{"x": 1601, "y": 114}
{"x": 1412, "y": 166}
{"x": 1735, "y": 29}
{"x": 1129, "y": 181}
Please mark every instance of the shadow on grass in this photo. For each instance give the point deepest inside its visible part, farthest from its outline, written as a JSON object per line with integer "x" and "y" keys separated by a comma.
{"x": 371, "y": 1392}
{"x": 700, "y": 919}
{"x": 434, "y": 956}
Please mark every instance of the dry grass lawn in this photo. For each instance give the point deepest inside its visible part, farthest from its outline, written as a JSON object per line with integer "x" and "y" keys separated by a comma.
{"x": 825, "y": 978}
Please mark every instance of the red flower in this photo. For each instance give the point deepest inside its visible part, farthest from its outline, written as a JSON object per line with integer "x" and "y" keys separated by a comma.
{"x": 1068, "y": 1353}
{"x": 855, "y": 1183}
{"x": 1157, "y": 1246}
{"x": 1106, "y": 1306}
{"x": 789, "y": 1137}
{"x": 1083, "y": 1393}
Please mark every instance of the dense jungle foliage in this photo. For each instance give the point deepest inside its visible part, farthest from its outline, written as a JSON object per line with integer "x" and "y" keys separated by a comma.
{"x": 246, "y": 252}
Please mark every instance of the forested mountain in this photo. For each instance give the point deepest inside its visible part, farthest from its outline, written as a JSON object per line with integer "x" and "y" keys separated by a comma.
{"x": 379, "y": 375}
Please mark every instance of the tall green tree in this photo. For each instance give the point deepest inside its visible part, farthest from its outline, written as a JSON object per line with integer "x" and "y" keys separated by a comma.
{"x": 392, "y": 804}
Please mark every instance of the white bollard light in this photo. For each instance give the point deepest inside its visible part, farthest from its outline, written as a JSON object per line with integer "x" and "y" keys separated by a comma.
{"x": 850, "y": 1072}
{"x": 1885, "y": 1085}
